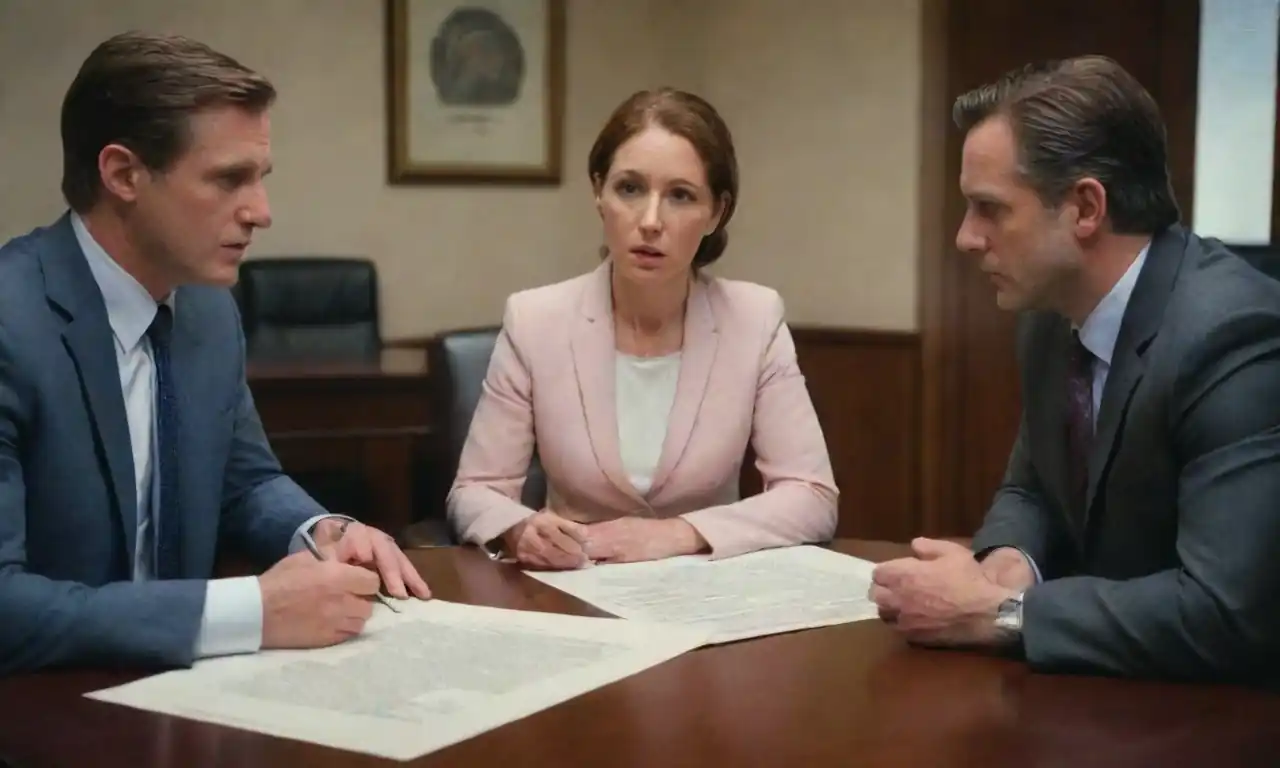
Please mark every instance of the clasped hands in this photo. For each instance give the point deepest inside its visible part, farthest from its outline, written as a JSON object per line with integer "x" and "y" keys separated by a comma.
{"x": 943, "y": 597}
{"x": 548, "y": 541}
{"x": 308, "y": 603}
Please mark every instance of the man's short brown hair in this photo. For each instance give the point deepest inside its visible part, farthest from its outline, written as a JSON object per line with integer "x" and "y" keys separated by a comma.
{"x": 139, "y": 90}
{"x": 1084, "y": 118}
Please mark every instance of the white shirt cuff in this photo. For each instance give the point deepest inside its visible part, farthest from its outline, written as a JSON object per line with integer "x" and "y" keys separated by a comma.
{"x": 232, "y": 620}
{"x": 297, "y": 544}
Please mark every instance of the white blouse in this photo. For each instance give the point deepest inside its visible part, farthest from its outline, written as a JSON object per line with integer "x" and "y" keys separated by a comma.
{"x": 645, "y": 389}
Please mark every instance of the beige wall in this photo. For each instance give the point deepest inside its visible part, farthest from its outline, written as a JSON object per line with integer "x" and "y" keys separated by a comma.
{"x": 825, "y": 109}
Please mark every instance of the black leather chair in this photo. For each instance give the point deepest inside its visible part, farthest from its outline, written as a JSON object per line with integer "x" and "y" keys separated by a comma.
{"x": 310, "y": 308}
{"x": 314, "y": 309}
{"x": 1264, "y": 258}
{"x": 458, "y": 362}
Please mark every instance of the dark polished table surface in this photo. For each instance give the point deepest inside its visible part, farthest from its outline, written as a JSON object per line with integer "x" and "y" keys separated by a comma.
{"x": 851, "y": 695}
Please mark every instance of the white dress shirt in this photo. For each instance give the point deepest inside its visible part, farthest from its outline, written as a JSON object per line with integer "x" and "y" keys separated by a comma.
{"x": 645, "y": 388}
{"x": 232, "y": 619}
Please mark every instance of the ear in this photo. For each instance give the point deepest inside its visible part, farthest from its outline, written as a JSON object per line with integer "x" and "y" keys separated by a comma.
{"x": 597, "y": 189}
{"x": 717, "y": 215}
{"x": 1090, "y": 200}
{"x": 121, "y": 172}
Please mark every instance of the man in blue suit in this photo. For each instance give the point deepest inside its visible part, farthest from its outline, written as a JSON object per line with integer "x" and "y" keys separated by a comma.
{"x": 129, "y": 442}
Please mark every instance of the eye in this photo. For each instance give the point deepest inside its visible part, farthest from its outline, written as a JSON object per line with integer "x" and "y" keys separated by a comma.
{"x": 684, "y": 195}
{"x": 627, "y": 187}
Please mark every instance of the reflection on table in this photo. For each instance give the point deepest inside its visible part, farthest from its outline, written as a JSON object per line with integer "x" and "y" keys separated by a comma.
{"x": 847, "y": 695}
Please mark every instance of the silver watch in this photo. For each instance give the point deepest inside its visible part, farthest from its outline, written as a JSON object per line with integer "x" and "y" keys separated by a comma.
{"x": 1009, "y": 614}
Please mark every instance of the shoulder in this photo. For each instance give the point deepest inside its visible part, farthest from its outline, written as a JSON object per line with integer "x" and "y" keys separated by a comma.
{"x": 21, "y": 279}
{"x": 744, "y": 304}
{"x": 546, "y": 305}
{"x": 1220, "y": 300}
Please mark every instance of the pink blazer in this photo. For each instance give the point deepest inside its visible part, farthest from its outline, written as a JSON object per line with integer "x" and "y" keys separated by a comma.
{"x": 552, "y": 375}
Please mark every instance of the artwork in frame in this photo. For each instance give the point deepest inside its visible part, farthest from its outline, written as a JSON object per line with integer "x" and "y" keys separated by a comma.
{"x": 475, "y": 91}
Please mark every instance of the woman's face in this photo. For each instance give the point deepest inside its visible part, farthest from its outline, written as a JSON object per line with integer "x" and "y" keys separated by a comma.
{"x": 656, "y": 206}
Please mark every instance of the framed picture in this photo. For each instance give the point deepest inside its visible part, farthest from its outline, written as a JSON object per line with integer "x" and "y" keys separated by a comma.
{"x": 475, "y": 91}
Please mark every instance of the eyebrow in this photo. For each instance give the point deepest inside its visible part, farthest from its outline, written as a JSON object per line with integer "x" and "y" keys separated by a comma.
{"x": 245, "y": 167}
{"x": 633, "y": 172}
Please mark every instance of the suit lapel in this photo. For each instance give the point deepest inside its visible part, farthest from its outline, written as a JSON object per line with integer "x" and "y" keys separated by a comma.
{"x": 1142, "y": 318}
{"x": 69, "y": 286}
{"x": 594, "y": 353}
{"x": 697, "y": 358}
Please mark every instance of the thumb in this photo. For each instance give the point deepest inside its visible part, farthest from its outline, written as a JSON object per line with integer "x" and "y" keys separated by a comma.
{"x": 577, "y": 530}
{"x": 932, "y": 549}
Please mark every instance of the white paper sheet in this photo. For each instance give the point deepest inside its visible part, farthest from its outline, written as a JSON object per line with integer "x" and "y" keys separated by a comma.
{"x": 414, "y": 682}
{"x": 760, "y": 593}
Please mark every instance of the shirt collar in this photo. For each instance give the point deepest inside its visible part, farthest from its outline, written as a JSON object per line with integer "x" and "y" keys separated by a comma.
{"x": 130, "y": 309}
{"x": 1101, "y": 328}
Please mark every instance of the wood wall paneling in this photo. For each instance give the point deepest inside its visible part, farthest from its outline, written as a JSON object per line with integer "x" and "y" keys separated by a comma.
{"x": 972, "y": 397}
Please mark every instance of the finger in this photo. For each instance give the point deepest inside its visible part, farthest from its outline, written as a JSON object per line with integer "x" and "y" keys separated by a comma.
{"x": 385, "y": 554}
{"x": 891, "y": 572}
{"x": 932, "y": 549}
{"x": 412, "y": 579}
{"x": 355, "y": 545}
{"x": 563, "y": 542}
{"x": 884, "y": 598}
{"x": 888, "y": 616}
{"x": 577, "y": 531}
{"x": 357, "y": 580}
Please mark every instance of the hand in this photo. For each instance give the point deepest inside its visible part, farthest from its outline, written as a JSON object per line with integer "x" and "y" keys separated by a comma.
{"x": 369, "y": 547}
{"x": 1008, "y": 567}
{"x": 632, "y": 539}
{"x": 308, "y": 603}
{"x": 940, "y": 597}
{"x": 547, "y": 540}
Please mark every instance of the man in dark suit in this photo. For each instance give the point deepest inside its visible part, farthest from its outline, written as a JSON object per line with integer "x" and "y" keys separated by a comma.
{"x": 1137, "y": 531}
{"x": 129, "y": 442}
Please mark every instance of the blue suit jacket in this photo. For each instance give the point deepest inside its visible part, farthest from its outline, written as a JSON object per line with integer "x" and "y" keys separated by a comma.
{"x": 68, "y": 516}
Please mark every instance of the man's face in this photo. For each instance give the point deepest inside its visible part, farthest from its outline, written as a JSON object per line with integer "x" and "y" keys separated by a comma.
{"x": 1029, "y": 251}
{"x": 194, "y": 220}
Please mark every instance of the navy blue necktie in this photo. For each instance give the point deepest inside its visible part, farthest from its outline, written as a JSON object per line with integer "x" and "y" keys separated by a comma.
{"x": 165, "y": 515}
{"x": 1079, "y": 421}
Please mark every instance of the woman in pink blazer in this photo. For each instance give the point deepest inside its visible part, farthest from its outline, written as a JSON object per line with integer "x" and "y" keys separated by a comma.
{"x": 644, "y": 381}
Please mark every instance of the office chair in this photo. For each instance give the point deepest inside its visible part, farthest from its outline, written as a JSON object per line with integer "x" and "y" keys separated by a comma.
{"x": 1264, "y": 258}
{"x": 458, "y": 362}
{"x": 310, "y": 308}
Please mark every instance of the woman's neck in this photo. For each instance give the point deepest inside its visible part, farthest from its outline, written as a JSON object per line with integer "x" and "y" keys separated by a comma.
{"x": 649, "y": 319}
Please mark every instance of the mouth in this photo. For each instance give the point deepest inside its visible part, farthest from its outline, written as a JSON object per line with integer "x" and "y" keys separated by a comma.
{"x": 647, "y": 252}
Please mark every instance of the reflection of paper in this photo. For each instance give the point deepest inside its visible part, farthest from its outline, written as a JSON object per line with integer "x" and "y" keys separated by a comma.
{"x": 414, "y": 682}
{"x": 761, "y": 593}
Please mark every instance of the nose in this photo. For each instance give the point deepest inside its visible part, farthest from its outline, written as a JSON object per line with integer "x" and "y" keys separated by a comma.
{"x": 256, "y": 212}
{"x": 968, "y": 238}
{"x": 651, "y": 216}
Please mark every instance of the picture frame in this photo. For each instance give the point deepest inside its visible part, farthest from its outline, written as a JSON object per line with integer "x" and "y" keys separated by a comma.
{"x": 475, "y": 91}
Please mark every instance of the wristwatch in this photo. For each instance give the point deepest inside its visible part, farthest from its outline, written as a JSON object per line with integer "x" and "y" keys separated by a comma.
{"x": 1009, "y": 615}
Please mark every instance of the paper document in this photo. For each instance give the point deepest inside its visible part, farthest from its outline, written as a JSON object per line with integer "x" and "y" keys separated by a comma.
{"x": 433, "y": 675}
{"x": 760, "y": 593}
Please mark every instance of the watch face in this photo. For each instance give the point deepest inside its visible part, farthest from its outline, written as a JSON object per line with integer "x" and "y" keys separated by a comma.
{"x": 1009, "y": 614}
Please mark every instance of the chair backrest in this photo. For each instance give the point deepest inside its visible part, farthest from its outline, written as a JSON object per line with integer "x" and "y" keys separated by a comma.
{"x": 459, "y": 362}
{"x": 314, "y": 307}
{"x": 1264, "y": 258}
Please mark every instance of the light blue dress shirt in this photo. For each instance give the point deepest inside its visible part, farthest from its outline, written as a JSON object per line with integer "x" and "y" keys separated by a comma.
{"x": 232, "y": 619}
{"x": 1098, "y": 334}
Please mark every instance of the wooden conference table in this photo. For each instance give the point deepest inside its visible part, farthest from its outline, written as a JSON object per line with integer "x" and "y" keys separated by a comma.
{"x": 852, "y": 695}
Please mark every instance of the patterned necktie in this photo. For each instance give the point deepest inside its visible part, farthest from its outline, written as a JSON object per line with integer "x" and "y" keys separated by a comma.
{"x": 1079, "y": 421}
{"x": 165, "y": 516}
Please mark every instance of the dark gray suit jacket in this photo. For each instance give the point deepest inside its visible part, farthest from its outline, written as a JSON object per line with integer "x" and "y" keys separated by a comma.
{"x": 68, "y": 516}
{"x": 1173, "y": 570}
